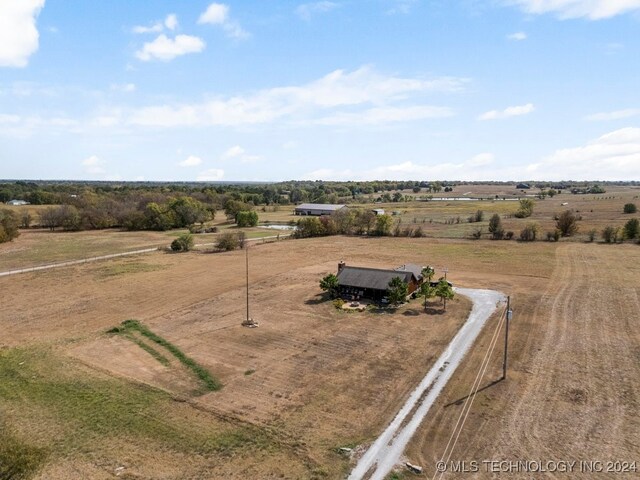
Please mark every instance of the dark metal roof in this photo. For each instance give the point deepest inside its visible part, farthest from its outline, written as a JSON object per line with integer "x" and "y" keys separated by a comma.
{"x": 411, "y": 267}
{"x": 373, "y": 278}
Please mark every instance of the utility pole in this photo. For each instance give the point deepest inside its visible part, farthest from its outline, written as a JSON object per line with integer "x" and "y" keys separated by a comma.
{"x": 506, "y": 339}
{"x": 246, "y": 251}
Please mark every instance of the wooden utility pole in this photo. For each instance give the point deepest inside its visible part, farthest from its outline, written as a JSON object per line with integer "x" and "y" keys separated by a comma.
{"x": 246, "y": 252}
{"x": 506, "y": 339}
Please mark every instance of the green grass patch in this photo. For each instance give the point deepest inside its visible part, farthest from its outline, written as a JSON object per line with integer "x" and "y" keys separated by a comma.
{"x": 208, "y": 381}
{"x": 249, "y": 372}
{"x": 19, "y": 460}
{"x": 149, "y": 349}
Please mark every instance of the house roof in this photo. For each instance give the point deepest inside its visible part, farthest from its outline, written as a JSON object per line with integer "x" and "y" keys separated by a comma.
{"x": 373, "y": 278}
{"x": 320, "y": 206}
{"x": 411, "y": 267}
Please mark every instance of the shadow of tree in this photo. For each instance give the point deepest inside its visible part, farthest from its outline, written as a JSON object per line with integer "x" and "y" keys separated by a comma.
{"x": 412, "y": 313}
{"x": 318, "y": 299}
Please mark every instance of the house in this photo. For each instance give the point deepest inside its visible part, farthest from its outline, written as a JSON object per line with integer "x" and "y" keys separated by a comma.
{"x": 378, "y": 211}
{"x": 373, "y": 283}
{"x": 17, "y": 202}
{"x": 317, "y": 209}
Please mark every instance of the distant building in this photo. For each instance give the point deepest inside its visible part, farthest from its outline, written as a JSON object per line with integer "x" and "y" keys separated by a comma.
{"x": 317, "y": 209}
{"x": 373, "y": 283}
{"x": 18, "y": 202}
{"x": 523, "y": 186}
{"x": 378, "y": 211}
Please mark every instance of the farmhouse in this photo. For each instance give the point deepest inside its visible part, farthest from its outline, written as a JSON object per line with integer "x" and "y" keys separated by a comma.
{"x": 372, "y": 283}
{"x": 317, "y": 209}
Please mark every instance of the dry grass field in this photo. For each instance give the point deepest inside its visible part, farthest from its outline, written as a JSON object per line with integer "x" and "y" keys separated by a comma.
{"x": 76, "y": 402}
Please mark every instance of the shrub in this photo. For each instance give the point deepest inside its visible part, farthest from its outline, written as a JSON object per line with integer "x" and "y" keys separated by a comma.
{"x": 526, "y": 208}
{"x": 592, "y": 234}
{"x": 553, "y": 236}
{"x": 610, "y": 234}
{"x": 630, "y": 208}
{"x": 567, "y": 223}
{"x": 418, "y": 232}
{"x": 529, "y": 232}
{"x": 632, "y": 229}
{"x": 509, "y": 235}
{"x": 338, "y": 303}
{"x": 476, "y": 234}
{"x": 247, "y": 218}
{"x": 495, "y": 227}
{"x": 228, "y": 241}
{"x": 183, "y": 243}
{"x": 330, "y": 285}
{"x": 8, "y": 226}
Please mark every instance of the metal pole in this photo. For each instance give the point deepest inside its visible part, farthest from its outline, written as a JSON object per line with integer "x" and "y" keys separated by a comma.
{"x": 246, "y": 251}
{"x": 506, "y": 339}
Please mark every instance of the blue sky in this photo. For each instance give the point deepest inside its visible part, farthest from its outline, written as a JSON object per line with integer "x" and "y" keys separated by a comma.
{"x": 345, "y": 90}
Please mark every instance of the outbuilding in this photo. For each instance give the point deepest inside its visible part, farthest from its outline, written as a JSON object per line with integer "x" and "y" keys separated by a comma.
{"x": 318, "y": 209}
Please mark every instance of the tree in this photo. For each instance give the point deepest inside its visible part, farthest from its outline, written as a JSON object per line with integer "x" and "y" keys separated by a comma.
{"x": 383, "y": 225}
{"x": 309, "y": 227}
{"x": 529, "y": 232}
{"x": 444, "y": 291}
{"x": 247, "y": 218}
{"x": 495, "y": 227}
{"x": 632, "y": 229}
{"x": 49, "y": 218}
{"x": 428, "y": 272}
{"x": 610, "y": 234}
{"x": 330, "y": 285}
{"x": 228, "y": 241}
{"x": 397, "y": 291}
{"x": 8, "y": 226}
{"x": 567, "y": 223}
{"x": 232, "y": 207}
{"x": 158, "y": 217}
{"x": 26, "y": 219}
{"x": 427, "y": 291}
{"x": 526, "y": 208}
{"x": 397, "y": 197}
{"x": 630, "y": 208}
{"x": 187, "y": 211}
{"x": 183, "y": 243}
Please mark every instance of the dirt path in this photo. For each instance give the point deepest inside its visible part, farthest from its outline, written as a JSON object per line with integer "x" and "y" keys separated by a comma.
{"x": 386, "y": 451}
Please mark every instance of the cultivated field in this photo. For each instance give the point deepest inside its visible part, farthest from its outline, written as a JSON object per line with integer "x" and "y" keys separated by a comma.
{"x": 76, "y": 402}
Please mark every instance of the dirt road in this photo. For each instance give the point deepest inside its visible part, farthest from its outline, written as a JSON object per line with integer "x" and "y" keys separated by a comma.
{"x": 385, "y": 452}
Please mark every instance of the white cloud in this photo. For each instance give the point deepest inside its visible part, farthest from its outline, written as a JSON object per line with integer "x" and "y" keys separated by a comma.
{"x": 518, "y": 36}
{"x": 18, "y": 33}
{"x": 591, "y": 9}
{"x": 481, "y": 160}
{"x": 94, "y": 165}
{"x": 238, "y": 153}
{"x": 171, "y": 22}
{"x": 307, "y": 10}
{"x": 190, "y": 161}
{"x": 218, "y": 14}
{"x": 469, "y": 170}
{"x": 337, "y": 98}
{"x": 616, "y": 115}
{"x": 211, "y": 175}
{"x": 508, "y": 112}
{"x": 613, "y": 156}
{"x": 124, "y": 87}
{"x": 165, "y": 49}
{"x": 401, "y": 6}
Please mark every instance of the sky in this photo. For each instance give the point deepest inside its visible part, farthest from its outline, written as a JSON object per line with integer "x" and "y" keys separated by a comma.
{"x": 270, "y": 90}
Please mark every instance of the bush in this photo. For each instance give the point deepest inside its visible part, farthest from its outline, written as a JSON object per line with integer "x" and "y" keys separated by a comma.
{"x": 529, "y": 232}
{"x": 553, "y": 236}
{"x": 630, "y": 208}
{"x": 567, "y": 223}
{"x": 632, "y": 229}
{"x": 526, "y": 208}
{"x": 610, "y": 234}
{"x": 592, "y": 234}
{"x": 247, "y": 219}
{"x": 338, "y": 303}
{"x": 183, "y": 243}
{"x": 228, "y": 241}
{"x": 495, "y": 227}
{"x": 476, "y": 234}
{"x": 8, "y": 226}
{"x": 509, "y": 235}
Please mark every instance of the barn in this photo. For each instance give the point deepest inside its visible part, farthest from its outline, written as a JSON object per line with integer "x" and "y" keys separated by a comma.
{"x": 318, "y": 209}
{"x": 372, "y": 283}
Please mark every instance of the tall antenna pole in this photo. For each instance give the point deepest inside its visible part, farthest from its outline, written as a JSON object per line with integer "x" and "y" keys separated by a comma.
{"x": 506, "y": 339}
{"x": 246, "y": 251}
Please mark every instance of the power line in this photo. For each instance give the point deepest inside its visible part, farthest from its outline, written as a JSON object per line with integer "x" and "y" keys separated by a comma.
{"x": 470, "y": 397}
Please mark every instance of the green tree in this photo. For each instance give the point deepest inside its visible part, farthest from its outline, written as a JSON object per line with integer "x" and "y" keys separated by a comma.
{"x": 309, "y": 227}
{"x": 495, "y": 227}
{"x": 187, "y": 211}
{"x": 610, "y": 234}
{"x": 26, "y": 219}
{"x": 444, "y": 291}
{"x": 529, "y": 232}
{"x": 526, "y": 208}
{"x": 8, "y": 226}
{"x": 383, "y": 225}
{"x": 630, "y": 208}
{"x": 632, "y": 229}
{"x": 427, "y": 291}
{"x": 397, "y": 291}
{"x": 330, "y": 285}
{"x": 247, "y": 218}
{"x": 428, "y": 272}
{"x": 158, "y": 217}
{"x": 183, "y": 243}
{"x": 567, "y": 223}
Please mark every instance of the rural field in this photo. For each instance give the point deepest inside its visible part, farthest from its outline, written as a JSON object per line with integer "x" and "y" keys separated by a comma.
{"x": 80, "y": 402}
